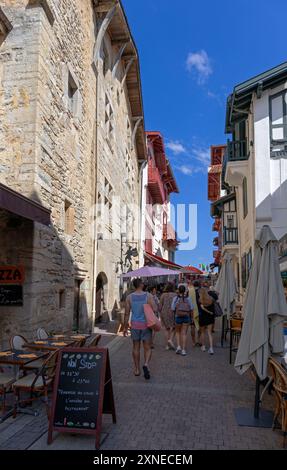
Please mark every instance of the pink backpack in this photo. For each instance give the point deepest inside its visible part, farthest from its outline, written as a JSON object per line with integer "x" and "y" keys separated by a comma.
{"x": 152, "y": 321}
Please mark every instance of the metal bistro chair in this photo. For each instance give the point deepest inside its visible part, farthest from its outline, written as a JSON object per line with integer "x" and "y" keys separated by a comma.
{"x": 18, "y": 342}
{"x": 36, "y": 384}
{"x": 42, "y": 333}
{"x": 280, "y": 387}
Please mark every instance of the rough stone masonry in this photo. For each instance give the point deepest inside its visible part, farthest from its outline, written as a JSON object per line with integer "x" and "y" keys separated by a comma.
{"x": 62, "y": 135}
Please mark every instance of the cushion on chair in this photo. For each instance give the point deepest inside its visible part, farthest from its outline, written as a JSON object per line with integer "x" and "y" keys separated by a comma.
{"x": 27, "y": 381}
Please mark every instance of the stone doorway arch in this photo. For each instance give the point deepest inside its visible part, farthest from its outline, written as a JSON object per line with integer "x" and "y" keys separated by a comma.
{"x": 101, "y": 295}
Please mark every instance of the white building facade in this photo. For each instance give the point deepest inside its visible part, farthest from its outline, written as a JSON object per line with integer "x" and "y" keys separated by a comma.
{"x": 255, "y": 167}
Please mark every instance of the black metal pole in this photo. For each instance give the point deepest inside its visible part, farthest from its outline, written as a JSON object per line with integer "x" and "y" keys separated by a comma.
{"x": 222, "y": 330}
{"x": 257, "y": 398}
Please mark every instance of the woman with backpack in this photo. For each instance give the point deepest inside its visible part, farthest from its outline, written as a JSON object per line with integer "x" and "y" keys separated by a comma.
{"x": 183, "y": 311}
{"x": 206, "y": 317}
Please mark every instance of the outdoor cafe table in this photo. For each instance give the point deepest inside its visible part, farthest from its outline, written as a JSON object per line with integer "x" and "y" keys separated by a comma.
{"x": 49, "y": 344}
{"x": 18, "y": 359}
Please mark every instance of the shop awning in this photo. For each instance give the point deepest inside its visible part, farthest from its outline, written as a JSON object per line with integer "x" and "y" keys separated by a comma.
{"x": 162, "y": 262}
{"x": 22, "y": 206}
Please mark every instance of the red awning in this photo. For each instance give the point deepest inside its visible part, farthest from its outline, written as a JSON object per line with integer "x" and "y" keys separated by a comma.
{"x": 163, "y": 262}
{"x": 22, "y": 206}
{"x": 192, "y": 270}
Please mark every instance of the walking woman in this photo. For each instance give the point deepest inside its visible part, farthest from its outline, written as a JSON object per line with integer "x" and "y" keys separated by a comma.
{"x": 167, "y": 315}
{"x": 206, "y": 318}
{"x": 183, "y": 310}
{"x": 139, "y": 331}
{"x": 153, "y": 291}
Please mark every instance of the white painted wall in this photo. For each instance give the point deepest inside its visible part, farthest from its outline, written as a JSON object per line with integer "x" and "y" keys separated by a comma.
{"x": 270, "y": 173}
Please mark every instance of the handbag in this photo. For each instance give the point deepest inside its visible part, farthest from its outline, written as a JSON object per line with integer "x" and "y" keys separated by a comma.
{"x": 151, "y": 319}
{"x": 217, "y": 309}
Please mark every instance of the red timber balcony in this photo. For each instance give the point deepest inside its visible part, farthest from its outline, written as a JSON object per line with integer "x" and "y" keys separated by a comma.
{"x": 216, "y": 225}
{"x": 169, "y": 236}
{"x": 217, "y": 256}
{"x": 155, "y": 185}
{"x": 214, "y": 182}
{"x": 215, "y": 241}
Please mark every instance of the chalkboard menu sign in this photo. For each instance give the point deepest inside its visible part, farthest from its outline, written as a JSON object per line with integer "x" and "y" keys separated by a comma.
{"x": 82, "y": 392}
{"x": 11, "y": 295}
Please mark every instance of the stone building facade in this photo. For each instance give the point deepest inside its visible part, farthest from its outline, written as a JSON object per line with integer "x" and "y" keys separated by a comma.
{"x": 70, "y": 127}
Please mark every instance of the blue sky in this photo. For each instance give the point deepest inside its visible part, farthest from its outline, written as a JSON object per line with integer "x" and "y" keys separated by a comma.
{"x": 192, "y": 53}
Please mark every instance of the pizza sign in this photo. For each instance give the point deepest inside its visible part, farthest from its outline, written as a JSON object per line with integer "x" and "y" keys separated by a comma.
{"x": 12, "y": 275}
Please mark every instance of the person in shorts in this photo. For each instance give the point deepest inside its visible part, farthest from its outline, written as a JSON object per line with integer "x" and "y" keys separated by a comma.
{"x": 139, "y": 331}
{"x": 183, "y": 311}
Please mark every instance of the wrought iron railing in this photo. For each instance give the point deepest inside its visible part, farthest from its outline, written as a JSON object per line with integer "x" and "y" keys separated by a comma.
{"x": 230, "y": 235}
{"x": 237, "y": 150}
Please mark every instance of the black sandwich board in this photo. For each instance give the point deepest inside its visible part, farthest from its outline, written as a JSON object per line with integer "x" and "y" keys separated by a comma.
{"x": 82, "y": 392}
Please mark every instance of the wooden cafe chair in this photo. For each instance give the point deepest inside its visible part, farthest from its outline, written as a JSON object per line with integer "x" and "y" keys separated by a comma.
{"x": 94, "y": 341}
{"x": 42, "y": 333}
{"x": 6, "y": 381}
{"x": 279, "y": 376}
{"x": 235, "y": 333}
{"x": 36, "y": 384}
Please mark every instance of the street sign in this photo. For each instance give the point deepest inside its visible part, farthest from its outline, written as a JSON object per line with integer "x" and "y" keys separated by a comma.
{"x": 82, "y": 392}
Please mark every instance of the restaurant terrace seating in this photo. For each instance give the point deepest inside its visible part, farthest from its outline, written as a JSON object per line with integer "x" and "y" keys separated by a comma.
{"x": 42, "y": 333}
{"x": 36, "y": 384}
{"x": 6, "y": 381}
{"x": 279, "y": 376}
{"x": 18, "y": 342}
{"x": 93, "y": 343}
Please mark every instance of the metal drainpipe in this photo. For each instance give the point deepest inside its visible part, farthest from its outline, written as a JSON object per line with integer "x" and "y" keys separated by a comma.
{"x": 95, "y": 244}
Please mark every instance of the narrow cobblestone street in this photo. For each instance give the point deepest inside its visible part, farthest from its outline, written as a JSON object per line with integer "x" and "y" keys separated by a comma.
{"x": 188, "y": 404}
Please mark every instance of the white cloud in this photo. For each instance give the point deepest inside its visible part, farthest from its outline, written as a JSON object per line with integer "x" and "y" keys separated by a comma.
{"x": 186, "y": 170}
{"x": 202, "y": 155}
{"x": 200, "y": 63}
{"x": 176, "y": 147}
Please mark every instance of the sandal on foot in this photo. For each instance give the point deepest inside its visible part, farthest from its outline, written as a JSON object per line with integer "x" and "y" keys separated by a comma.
{"x": 146, "y": 373}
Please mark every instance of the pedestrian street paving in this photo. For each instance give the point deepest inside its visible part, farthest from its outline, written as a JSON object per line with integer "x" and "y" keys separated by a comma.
{"x": 188, "y": 404}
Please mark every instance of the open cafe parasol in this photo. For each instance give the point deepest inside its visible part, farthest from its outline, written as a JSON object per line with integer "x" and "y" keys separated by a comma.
{"x": 265, "y": 310}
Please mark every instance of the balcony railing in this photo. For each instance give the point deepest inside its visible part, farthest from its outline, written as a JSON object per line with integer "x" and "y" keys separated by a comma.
{"x": 237, "y": 150}
{"x": 230, "y": 236}
{"x": 155, "y": 184}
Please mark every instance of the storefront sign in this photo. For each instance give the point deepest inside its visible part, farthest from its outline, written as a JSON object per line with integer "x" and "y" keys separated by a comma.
{"x": 11, "y": 296}
{"x": 12, "y": 275}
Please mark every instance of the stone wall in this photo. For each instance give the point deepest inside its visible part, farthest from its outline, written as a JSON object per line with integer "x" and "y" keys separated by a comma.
{"x": 47, "y": 135}
{"x": 67, "y": 146}
{"x": 118, "y": 166}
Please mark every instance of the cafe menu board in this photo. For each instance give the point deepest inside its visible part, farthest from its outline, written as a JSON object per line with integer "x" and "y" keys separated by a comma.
{"x": 11, "y": 296}
{"x": 82, "y": 392}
